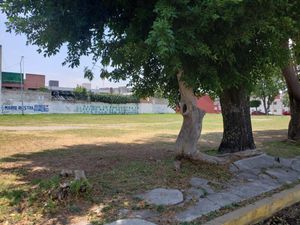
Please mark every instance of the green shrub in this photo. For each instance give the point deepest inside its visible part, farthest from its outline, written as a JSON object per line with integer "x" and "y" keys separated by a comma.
{"x": 114, "y": 99}
{"x": 80, "y": 93}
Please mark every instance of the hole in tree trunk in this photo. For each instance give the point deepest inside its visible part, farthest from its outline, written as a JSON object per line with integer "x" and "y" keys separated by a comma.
{"x": 184, "y": 108}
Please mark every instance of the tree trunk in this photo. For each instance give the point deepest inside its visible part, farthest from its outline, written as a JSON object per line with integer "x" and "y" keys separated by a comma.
{"x": 187, "y": 140}
{"x": 265, "y": 106}
{"x": 293, "y": 85}
{"x": 186, "y": 143}
{"x": 237, "y": 135}
{"x": 294, "y": 124}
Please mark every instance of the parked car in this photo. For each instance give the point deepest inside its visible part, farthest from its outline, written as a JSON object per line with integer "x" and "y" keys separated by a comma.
{"x": 257, "y": 113}
{"x": 286, "y": 113}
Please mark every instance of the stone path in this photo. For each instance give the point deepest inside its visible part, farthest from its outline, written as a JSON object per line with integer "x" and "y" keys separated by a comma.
{"x": 252, "y": 177}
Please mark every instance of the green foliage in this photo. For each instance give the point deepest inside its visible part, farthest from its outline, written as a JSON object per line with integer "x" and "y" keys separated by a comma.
{"x": 80, "y": 93}
{"x": 216, "y": 43}
{"x": 286, "y": 100}
{"x": 43, "y": 89}
{"x": 255, "y": 103}
{"x": 114, "y": 99}
{"x": 14, "y": 196}
{"x": 269, "y": 85}
{"x": 78, "y": 187}
{"x": 48, "y": 184}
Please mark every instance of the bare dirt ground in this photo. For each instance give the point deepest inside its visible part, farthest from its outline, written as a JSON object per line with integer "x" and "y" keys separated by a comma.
{"x": 122, "y": 156}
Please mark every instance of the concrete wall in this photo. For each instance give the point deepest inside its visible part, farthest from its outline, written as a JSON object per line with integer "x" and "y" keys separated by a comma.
{"x": 40, "y": 102}
{"x": 84, "y": 108}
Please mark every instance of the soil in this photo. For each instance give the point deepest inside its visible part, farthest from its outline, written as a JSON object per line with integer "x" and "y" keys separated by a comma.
{"x": 288, "y": 216}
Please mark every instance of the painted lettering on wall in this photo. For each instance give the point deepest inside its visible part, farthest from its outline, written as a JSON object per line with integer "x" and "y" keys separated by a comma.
{"x": 108, "y": 109}
{"x": 29, "y": 108}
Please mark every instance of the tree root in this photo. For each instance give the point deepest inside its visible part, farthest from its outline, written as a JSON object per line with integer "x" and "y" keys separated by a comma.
{"x": 219, "y": 159}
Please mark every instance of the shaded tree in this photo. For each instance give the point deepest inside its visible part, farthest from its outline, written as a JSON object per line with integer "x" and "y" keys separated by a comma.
{"x": 183, "y": 48}
{"x": 255, "y": 104}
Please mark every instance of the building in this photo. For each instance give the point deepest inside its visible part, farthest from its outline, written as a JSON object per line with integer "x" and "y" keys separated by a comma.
{"x": 11, "y": 80}
{"x": 53, "y": 83}
{"x": 34, "y": 81}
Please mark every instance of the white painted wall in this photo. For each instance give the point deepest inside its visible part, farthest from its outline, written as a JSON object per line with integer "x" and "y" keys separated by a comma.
{"x": 84, "y": 108}
{"x": 40, "y": 102}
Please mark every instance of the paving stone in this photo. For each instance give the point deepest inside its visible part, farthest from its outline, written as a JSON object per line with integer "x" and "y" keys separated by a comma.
{"x": 194, "y": 193}
{"x": 223, "y": 198}
{"x": 161, "y": 196}
{"x": 203, "y": 207}
{"x": 233, "y": 168}
{"x": 131, "y": 222}
{"x": 296, "y": 165}
{"x": 255, "y": 164}
{"x": 283, "y": 175}
{"x": 198, "y": 182}
{"x": 143, "y": 214}
{"x": 247, "y": 175}
{"x": 207, "y": 189}
{"x": 252, "y": 189}
{"x": 284, "y": 162}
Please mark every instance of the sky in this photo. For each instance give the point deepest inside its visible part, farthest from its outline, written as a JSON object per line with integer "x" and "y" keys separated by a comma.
{"x": 14, "y": 46}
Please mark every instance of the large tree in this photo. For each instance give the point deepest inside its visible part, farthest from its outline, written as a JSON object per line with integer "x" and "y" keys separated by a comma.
{"x": 180, "y": 47}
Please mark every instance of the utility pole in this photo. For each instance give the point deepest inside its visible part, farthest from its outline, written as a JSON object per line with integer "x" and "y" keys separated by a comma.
{"x": 1, "y": 107}
{"x": 22, "y": 83}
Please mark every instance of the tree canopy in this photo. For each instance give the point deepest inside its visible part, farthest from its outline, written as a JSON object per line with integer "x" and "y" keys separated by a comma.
{"x": 216, "y": 43}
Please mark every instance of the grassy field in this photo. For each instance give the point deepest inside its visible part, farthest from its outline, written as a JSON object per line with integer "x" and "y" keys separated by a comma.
{"x": 122, "y": 155}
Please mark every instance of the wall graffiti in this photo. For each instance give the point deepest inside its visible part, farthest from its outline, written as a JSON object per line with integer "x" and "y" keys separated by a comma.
{"x": 84, "y": 108}
{"x": 25, "y": 108}
{"x": 108, "y": 109}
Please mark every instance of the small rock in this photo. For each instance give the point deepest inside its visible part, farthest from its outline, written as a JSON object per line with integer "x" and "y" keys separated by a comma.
{"x": 143, "y": 214}
{"x": 177, "y": 165}
{"x": 194, "y": 193}
{"x": 131, "y": 222}
{"x": 123, "y": 213}
{"x": 79, "y": 175}
{"x": 66, "y": 173}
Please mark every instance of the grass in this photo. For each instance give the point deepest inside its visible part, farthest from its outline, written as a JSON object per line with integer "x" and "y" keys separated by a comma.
{"x": 122, "y": 155}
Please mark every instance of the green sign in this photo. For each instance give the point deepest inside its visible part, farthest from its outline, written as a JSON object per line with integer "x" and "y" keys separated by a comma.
{"x": 10, "y": 77}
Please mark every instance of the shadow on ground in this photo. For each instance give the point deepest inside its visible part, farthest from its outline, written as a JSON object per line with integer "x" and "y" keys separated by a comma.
{"x": 117, "y": 170}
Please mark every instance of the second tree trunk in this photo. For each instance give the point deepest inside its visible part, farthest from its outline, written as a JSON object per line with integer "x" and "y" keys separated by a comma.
{"x": 237, "y": 135}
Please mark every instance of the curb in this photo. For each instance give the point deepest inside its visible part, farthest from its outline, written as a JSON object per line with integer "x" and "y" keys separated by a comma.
{"x": 259, "y": 210}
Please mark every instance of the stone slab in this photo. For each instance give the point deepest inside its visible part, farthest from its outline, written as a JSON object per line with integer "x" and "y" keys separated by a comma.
{"x": 143, "y": 214}
{"x": 203, "y": 207}
{"x": 194, "y": 193}
{"x": 224, "y": 198}
{"x": 256, "y": 163}
{"x": 251, "y": 189}
{"x": 296, "y": 165}
{"x": 131, "y": 222}
{"x": 161, "y": 196}
{"x": 283, "y": 175}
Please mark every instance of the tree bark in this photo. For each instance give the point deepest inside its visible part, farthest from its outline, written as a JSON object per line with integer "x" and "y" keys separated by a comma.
{"x": 265, "y": 106}
{"x": 293, "y": 84}
{"x": 187, "y": 140}
{"x": 186, "y": 143}
{"x": 237, "y": 135}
